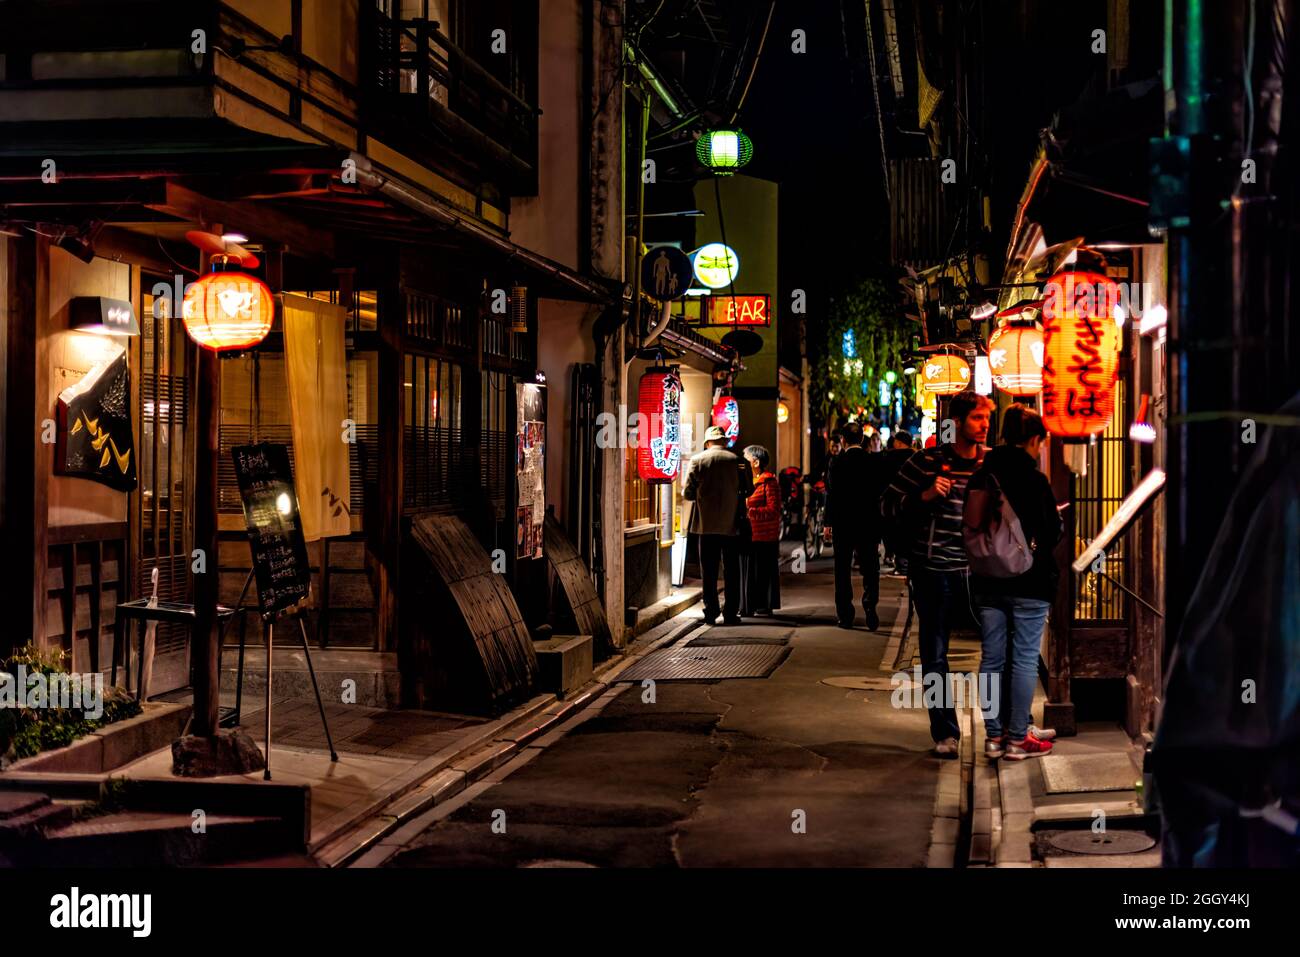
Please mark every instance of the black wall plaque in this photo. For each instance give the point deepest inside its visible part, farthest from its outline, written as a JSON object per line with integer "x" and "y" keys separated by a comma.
{"x": 274, "y": 526}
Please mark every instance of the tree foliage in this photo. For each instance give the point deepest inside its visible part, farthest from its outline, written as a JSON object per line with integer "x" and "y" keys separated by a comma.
{"x": 879, "y": 335}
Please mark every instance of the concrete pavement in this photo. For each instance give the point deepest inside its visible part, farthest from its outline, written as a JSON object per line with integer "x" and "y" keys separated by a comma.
{"x": 780, "y": 771}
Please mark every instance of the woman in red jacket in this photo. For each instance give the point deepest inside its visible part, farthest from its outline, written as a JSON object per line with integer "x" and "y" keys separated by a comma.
{"x": 764, "y": 507}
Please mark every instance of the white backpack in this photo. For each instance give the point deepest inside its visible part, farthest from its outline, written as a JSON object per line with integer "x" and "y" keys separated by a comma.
{"x": 996, "y": 546}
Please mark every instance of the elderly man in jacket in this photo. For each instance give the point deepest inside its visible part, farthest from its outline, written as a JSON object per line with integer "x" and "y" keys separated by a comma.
{"x": 714, "y": 485}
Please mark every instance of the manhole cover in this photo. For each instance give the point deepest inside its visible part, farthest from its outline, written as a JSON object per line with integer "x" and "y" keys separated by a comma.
{"x": 867, "y": 683}
{"x": 697, "y": 664}
{"x": 1108, "y": 842}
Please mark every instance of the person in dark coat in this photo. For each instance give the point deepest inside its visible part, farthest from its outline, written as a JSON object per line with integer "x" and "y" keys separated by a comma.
{"x": 713, "y": 484}
{"x": 1013, "y": 611}
{"x": 853, "y": 516}
{"x": 899, "y": 451}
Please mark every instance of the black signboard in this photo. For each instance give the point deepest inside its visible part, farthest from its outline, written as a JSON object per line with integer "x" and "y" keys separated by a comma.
{"x": 274, "y": 528}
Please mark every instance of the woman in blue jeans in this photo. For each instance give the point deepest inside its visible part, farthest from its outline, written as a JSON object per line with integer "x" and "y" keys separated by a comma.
{"x": 1013, "y": 611}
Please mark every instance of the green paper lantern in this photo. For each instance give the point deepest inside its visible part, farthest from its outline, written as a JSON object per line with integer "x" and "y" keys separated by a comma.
{"x": 724, "y": 151}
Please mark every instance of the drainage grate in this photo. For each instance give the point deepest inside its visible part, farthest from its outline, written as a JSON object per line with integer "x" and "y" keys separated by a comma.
{"x": 708, "y": 641}
{"x": 697, "y": 664}
{"x": 1108, "y": 842}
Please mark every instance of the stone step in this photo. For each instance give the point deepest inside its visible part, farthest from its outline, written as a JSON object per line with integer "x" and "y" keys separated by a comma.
{"x": 564, "y": 663}
{"x": 37, "y": 820}
{"x": 152, "y": 839}
{"x": 15, "y": 803}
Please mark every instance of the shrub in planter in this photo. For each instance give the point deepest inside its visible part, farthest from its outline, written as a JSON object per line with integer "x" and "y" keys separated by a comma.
{"x": 34, "y": 722}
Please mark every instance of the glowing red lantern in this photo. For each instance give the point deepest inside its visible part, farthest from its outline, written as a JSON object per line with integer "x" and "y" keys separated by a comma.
{"x": 659, "y": 446}
{"x": 1016, "y": 359}
{"x": 228, "y": 310}
{"x": 726, "y": 416}
{"x": 1081, "y": 343}
{"x": 945, "y": 375}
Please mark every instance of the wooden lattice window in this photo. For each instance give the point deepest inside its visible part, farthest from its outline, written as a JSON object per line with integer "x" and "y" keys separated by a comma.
{"x": 1096, "y": 497}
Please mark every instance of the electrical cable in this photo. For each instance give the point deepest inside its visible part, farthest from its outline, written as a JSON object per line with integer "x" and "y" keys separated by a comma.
{"x": 754, "y": 67}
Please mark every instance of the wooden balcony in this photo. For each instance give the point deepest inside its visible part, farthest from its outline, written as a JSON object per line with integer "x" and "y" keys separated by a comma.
{"x": 415, "y": 82}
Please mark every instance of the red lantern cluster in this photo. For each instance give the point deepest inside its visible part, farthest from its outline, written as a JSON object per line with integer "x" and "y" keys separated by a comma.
{"x": 1081, "y": 345}
{"x": 228, "y": 310}
{"x": 659, "y": 446}
{"x": 726, "y": 416}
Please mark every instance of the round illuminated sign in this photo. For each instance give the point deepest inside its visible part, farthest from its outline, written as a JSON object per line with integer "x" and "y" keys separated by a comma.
{"x": 716, "y": 265}
{"x": 782, "y": 412}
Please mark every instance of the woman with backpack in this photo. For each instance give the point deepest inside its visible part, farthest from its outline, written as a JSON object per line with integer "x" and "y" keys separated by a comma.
{"x": 1012, "y": 526}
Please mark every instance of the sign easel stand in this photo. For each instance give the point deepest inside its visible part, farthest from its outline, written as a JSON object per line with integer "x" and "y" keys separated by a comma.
{"x": 296, "y": 614}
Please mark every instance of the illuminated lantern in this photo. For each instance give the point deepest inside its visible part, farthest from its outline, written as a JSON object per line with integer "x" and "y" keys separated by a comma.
{"x": 724, "y": 151}
{"x": 228, "y": 310}
{"x": 726, "y": 416}
{"x": 782, "y": 413}
{"x": 1016, "y": 360}
{"x": 1081, "y": 343}
{"x": 659, "y": 444}
{"x": 945, "y": 375}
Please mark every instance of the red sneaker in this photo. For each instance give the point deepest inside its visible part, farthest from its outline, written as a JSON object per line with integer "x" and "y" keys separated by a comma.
{"x": 1028, "y": 748}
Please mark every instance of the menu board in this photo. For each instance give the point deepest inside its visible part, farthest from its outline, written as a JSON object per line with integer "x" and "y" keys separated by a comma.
{"x": 274, "y": 527}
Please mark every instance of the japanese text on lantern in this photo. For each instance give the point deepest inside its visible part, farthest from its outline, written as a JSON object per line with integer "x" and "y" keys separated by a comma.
{"x": 1081, "y": 343}
{"x": 659, "y": 452}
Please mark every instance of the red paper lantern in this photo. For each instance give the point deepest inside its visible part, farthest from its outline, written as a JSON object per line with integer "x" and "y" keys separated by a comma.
{"x": 726, "y": 416}
{"x": 228, "y": 310}
{"x": 1081, "y": 343}
{"x": 1016, "y": 359}
{"x": 943, "y": 374}
{"x": 659, "y": 446}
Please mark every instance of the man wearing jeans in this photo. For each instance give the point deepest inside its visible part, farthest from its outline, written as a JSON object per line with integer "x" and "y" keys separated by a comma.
{"x": 926, "y": 499}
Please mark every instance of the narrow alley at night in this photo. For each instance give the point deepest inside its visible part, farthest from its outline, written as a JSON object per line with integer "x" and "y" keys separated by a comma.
{"x": 682, "y": 439}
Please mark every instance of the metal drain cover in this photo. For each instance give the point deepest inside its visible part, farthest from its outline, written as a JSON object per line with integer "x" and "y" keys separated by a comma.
{"x": 704, "y": 664}
{"x": 1108, "y": 842}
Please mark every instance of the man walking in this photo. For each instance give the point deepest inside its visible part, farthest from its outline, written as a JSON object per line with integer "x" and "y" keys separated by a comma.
{"x": 926, "y": 498}
{"x": 853, "y": 515}
{"x": 899, "y": 451}
{"x": 713, "y": 484}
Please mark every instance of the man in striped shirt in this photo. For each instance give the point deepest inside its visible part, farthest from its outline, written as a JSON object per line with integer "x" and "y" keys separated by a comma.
{"x": 926, "y": 500}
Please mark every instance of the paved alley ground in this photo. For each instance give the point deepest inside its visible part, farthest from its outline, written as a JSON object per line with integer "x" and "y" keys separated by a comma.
{"x": 786, "y": 770}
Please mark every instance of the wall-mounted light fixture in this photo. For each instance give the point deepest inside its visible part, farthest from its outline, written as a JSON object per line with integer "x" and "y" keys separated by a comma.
{"x": 109, "y": 317}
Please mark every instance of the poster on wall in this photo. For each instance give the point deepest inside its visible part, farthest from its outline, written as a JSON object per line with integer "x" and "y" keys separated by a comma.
{"x": 530, "y": 459}
{"x": 94, "y": 427}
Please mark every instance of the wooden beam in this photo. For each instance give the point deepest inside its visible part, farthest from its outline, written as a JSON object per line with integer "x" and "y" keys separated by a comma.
{"x": 258, "y": 221}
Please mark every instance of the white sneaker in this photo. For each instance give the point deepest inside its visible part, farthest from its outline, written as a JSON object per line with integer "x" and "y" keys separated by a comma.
{"x": 1042, "y": 734}
{"x": 947, "y": 748}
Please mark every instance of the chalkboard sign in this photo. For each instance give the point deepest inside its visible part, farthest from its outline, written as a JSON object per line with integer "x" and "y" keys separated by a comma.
{"x": 274, "y": 527}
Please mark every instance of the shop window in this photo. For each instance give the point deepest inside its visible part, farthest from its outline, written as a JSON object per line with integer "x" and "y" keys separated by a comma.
{"x": 255, "y": 405}
{"x": 161, "y": 500}
{"x": 432, "y": 436}
{"x": 1097, "y": 495}
{"x": 638, "y": 496}
{"x": 498, "y": 440}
